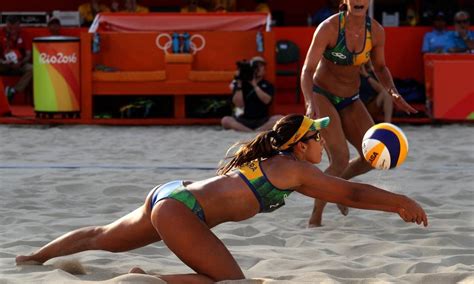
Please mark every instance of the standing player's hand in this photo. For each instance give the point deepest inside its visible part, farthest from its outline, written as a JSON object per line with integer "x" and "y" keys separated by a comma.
{"x": 401, "y": 104}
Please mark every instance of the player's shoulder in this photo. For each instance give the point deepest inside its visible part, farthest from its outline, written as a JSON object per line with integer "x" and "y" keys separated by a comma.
{"x": 331, "y": 24}
{"x": 376, "y": 26}
{"x": 296, "y": 167}
{"x": 328, "y": 27}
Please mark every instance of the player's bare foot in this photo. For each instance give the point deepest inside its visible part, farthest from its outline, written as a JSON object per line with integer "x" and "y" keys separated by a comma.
{"x": 27, "y": 260}
{"x": 315, "y": 225}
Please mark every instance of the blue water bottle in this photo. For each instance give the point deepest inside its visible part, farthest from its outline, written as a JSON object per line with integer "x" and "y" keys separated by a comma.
{"x": 96, "y": 43}
{"x": 259, "y": 39}
{"x": 186, "y": 43}
{"x": 175, "y": 43}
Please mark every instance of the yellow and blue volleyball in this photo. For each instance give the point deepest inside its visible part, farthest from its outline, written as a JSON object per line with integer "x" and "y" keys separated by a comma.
{"x": 385, "y": 146}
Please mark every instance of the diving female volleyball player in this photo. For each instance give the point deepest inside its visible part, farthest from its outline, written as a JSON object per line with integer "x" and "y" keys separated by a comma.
{"x": 330, "y": 84}
{"x": 258, "y": 178}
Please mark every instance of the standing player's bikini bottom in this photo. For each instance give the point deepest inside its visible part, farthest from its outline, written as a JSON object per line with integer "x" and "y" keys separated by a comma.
{"x": 338, "y": 102}
{"x": 177, "y": 191}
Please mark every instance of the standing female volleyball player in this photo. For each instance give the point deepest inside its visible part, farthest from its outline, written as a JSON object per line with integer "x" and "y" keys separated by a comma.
{"x": 330, "y": 84}
{"x": 258, "y": 178}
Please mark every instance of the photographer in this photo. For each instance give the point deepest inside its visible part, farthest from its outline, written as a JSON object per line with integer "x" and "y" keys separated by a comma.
{"x": 253, "y": 94}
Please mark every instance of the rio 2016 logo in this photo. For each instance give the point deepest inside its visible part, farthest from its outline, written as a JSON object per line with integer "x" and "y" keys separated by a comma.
{"x": 58, "y": 58}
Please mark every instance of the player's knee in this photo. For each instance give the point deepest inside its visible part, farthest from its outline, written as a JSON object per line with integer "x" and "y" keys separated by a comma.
{"x": 226, "y": 121}
{"x": 98, "y": 238}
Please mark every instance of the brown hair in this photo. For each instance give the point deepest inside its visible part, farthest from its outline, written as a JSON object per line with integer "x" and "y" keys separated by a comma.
{"x": 343, "y": 6}
{"x": 264, "y": 145}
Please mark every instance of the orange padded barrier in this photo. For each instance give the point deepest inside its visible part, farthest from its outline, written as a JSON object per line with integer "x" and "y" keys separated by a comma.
{"x": 178, "y": 58}
{"x": 129, "y": 76}
{"x": 449, "y": 85}
{"x": 146, "y": 69}
{"x": 134, "y": 22}
{"x": 211, "y": 76}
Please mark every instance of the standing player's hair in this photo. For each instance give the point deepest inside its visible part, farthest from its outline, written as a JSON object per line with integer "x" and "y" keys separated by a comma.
{"x": 343, "y": 7}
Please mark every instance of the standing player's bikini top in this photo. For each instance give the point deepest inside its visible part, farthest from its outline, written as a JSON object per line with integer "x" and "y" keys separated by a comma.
{"x": 269, "y": 196}
{"x": 340, "y": 55}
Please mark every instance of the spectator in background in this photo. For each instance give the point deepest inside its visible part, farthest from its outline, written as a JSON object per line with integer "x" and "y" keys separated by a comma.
{"x": 131, "y": 6}
{"x": 331, "y": 8}
{"x": 224, "y": 5}
{"x": 15, "y": 57}
{"x": 54, "y": 26}
{"x": 439, "y": 40}
{"x": 254, "y": 97}
{"x": 412, "y": 17}
{"x": 89, "y": 10}
{"x": 373, "y": 94}
{"x": 430, "y": 7}
{"x": 219, "y": 9}
{"x": 193, "y": 7}
{"x": 115, "y": 6}
{"x": 462, "y": 37}
{"x": 262, "y": 7}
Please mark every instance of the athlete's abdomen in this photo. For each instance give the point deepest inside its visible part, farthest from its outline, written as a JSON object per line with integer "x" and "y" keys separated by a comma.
{"x": 225, "y": 198}
{"x": 340, "y": 80}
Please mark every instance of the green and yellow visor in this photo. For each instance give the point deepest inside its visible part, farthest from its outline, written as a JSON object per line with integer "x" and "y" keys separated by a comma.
{"x": 307, "y": 124}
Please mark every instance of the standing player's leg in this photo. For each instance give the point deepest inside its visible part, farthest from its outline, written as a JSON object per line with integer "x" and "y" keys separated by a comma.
{"x": 356, "y": 120}
{"x": 337, "y": 150}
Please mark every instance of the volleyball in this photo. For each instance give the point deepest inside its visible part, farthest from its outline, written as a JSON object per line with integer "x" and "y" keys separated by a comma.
{"x": 385, "y": 146}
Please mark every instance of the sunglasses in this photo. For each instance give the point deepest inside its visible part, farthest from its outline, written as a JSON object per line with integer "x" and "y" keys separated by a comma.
{"x": 316, "y": 137}
{"x": 466, "y": 21}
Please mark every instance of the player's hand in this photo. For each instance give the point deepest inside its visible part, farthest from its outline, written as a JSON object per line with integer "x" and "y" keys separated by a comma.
{"x": 410, "y": 211}
{"x": 401, "y": 104}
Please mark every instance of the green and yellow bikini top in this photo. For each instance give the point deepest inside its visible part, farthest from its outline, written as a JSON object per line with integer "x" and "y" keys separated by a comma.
{"x": 340, "y": 55}
{"x": 269, "y": 196}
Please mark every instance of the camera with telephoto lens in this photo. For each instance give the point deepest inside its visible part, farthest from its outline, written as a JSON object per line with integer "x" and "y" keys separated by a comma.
{"x": 246, "y": 71}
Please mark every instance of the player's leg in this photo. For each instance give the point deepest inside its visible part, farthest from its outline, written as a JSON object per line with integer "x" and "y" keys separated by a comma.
{"x": 194, "y": 243}
{"x": 337, "y": 150}
{"x": 229, "y": 122}
{"x": 129, "y": 232}
{"x": 356, "y": 120}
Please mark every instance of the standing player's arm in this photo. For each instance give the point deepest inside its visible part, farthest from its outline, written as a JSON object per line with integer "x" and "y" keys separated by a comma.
{"x": 314, "y": 55}
{"x": 381, "y": 71}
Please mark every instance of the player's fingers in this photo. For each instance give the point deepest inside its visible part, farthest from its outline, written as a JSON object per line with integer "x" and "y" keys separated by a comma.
{"x": 425, "y": 219}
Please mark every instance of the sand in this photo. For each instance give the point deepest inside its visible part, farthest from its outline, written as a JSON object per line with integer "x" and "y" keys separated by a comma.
{"x": 55, "y": 179}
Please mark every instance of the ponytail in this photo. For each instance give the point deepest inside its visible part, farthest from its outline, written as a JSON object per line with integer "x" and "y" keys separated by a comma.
{"x": 262, "y": 146}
